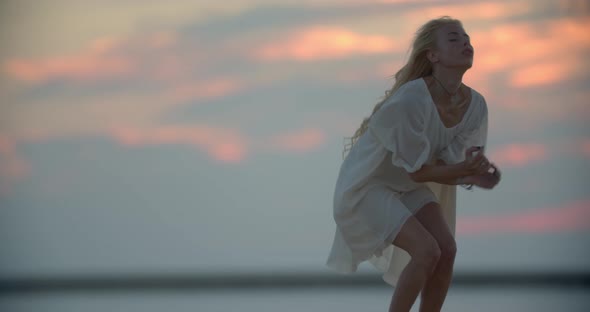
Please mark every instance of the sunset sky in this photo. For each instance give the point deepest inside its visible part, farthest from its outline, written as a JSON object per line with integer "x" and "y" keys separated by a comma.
{"x": 207, "y": 135}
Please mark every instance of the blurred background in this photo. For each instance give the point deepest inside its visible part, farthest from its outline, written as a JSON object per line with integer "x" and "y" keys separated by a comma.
{"x": 202, "y": 140}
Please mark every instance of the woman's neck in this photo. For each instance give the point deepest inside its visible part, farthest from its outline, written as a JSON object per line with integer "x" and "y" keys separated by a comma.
{"x": 448, "y": 81}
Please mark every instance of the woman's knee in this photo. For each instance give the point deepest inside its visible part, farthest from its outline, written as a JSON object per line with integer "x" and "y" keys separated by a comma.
{"x": 448, "y": 249}
{"x": 419, "y": 243}
{"x": 428, "y": 255}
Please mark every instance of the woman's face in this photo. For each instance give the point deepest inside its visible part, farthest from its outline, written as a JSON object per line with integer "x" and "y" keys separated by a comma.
{"x": 453, "y": 48}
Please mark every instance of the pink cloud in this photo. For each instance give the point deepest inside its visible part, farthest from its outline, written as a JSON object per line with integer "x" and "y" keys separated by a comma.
{"x": 162, "y": 39}
{"x": 103, "y": 58}
{"x": 573, "y": 147}
{"x": 202, "y": 89}
{"x": 172, "y": 73}
{"x": 298, "y": 141}
{"x": 519, "y": 154}
{"x": 13, "y": 167}
{"x": 569, "y": 217}
{"x": 95, "y": 62}
{"x": 224, "y": 145}
{"x": 585, "y": 147}
{"x": 72, "y": 68}
{"x": 524, "y": 154}
{"x": 104, "y": 45}
{"x": 320, "y": 43}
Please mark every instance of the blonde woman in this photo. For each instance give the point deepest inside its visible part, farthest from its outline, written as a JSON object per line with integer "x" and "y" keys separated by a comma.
{"x": 394, "y": 201}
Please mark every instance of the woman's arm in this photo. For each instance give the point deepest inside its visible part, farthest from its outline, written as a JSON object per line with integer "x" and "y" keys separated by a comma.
{"x": 453, "y": 174}
{"x": 441, "y": 173}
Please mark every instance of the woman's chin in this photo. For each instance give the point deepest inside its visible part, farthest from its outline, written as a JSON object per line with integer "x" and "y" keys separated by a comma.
{"x": 462, "y": 65}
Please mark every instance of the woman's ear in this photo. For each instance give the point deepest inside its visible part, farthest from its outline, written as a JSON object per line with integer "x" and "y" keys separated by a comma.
{"x": 432, "y": 56}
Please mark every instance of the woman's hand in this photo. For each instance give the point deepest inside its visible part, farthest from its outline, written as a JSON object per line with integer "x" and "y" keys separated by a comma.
{"x": 476, "y": 165}
{"x": 487, "y": 180}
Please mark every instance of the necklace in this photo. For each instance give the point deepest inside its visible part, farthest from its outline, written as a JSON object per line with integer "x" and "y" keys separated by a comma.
{"x": 447, "y": 91}
{"x": 450, "y": 109}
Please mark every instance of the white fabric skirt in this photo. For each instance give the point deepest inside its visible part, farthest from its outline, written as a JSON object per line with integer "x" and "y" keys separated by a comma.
{"x": 368, "y": 233}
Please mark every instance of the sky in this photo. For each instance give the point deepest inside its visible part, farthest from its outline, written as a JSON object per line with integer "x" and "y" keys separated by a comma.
{"x": 200, "y": 136}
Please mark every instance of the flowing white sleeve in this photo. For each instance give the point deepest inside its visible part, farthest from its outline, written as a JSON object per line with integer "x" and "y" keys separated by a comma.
{"x": 475, "y": 135}
{"x": 399, "y": 125}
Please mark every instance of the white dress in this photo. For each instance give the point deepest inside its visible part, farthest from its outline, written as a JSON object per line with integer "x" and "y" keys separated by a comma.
{"x": 374, "y": 194}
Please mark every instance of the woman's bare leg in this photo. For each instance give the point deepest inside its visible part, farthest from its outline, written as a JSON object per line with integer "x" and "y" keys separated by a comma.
{"x": 435, "y": 290}
{"x": 424, "y": 250}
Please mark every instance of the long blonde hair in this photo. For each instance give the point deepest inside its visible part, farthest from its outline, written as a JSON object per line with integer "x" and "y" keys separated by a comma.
{"x": 417, "y": 66}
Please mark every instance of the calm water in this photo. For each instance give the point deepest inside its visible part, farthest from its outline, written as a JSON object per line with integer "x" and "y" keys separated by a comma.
{"x": 459, "y": 299}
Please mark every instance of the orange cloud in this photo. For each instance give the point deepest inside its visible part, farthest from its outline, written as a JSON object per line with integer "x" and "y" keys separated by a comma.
{"x": 319, "y": 43}
{"x": 13, "y": 168}
{"x": 470, "y": 11}
{"x": 381, "y": 71}
{"x": 221, "y": 144}
{"x": 299, "y": 141}
{"x": 569, "y": 217}
{"x": 537, "y": 53}
{"x": 541, "y": 74}
{"x": 518, "y": 155}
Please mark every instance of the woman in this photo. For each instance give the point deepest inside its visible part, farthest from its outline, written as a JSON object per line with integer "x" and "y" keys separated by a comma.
{"x": 394, "y": 201}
